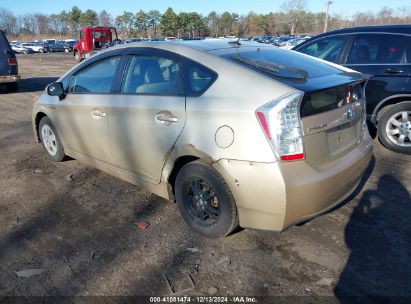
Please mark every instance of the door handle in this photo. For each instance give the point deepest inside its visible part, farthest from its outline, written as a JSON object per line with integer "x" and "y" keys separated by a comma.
{"x": 98, "y": 114}
{"x": 393, "y": 71}
{"x": 165, "y": 118}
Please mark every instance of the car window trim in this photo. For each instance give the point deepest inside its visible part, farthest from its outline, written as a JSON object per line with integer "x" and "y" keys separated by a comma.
{"x": 378, "y": 64}
{"x": 151, "y": 52}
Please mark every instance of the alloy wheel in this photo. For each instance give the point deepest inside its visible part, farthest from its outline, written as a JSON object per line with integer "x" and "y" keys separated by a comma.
{"x": 398, "y": 128}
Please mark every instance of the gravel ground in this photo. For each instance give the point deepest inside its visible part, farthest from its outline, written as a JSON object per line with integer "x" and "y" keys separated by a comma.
{"x": 78, "y": 226}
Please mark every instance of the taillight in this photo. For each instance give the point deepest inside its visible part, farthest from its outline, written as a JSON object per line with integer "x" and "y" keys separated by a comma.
{"x": 281, "y": 123}
{"x": 12, "y": 61}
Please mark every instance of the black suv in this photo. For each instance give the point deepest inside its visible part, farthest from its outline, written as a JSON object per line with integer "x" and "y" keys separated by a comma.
{"x": 8, "y": 65}
{"x": 383, "y": 52}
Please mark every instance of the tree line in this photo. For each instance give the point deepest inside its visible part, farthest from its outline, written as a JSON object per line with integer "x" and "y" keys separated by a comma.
{"x": 293, "y": 18}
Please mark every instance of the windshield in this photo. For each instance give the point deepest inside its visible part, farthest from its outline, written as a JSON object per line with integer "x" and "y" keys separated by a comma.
{"x": 282, "y": 63}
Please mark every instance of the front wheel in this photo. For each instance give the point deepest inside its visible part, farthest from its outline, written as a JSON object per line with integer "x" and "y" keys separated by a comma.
{"x": 205, "y": 200}
{"x": 50, "y": 140}
{"x": 394, "y": 127}
{"x": 77, "y": 57}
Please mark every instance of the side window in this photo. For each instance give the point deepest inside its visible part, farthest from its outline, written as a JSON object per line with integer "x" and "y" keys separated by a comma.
{"x": 152, "y": 75}
{"x": 81, "y": 34}
{"x": 95, "y": 78}
{"x": 326, "y": 48}
{"x": 198, "y": 78}
{"x": 378, "y": 49}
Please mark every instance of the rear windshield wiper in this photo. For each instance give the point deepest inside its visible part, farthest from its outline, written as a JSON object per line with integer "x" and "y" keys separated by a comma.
{"x": 272, "y": 68}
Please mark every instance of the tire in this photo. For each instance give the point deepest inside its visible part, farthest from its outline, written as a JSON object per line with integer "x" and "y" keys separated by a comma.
{"x": 394, "y": 127}
{"x": 12, "y": 87}
{"x": 77, "y": 57}
{"x": 50, "y": 140}
{"x": 205, "y": 200}
{"x": 25, "y": 52}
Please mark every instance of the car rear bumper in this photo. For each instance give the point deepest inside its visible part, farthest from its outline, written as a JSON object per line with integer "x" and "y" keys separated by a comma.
{"x": 274, "y": 196}
{"x": 313, "y": 191}
{"x": 9, "y": 78}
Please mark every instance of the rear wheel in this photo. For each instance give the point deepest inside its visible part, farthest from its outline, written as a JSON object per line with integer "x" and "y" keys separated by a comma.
{"x": 394, "y": 128}
{"x": 205, "y": 200}
{"x": 50, "y": 140}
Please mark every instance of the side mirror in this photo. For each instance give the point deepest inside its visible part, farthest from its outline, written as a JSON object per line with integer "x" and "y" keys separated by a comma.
{"x": 56, "y": 89}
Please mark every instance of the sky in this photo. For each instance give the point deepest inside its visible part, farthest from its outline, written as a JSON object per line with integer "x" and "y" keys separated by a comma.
{"x": 346, "y": 8}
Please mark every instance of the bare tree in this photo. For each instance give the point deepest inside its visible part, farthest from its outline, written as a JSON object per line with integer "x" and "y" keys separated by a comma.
{"x": 42, "y": 23}
{"x": 385, "y": 15}
{"x": 29, "y": 24}
{"x": 104, "y": 18}
{"x": 294, "y": 9}
{"x": 8, "y": 22}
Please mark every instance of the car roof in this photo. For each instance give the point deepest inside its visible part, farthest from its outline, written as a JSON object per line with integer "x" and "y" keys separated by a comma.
{"x": 207, "y": 45}
{"x": 402, "y": 29}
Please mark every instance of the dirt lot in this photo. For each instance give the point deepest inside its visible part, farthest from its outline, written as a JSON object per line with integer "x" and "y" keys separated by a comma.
{"x": 78, "y": 224}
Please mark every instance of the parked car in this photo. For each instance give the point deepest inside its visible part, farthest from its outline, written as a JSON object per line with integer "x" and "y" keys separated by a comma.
{"x": 68, "y": 46}
{"x": 50, "y": 41}
{"x": 9, "y": 73}
{"x": 130, "y": 40}
{"x": 57, "y": 47}
{"x": 18, "y": 48}
{"x": 35, "y": 47}
{"x": 383, "y": 52}
{"x": 41, "y": 43}
{"x": 265, "y": 155}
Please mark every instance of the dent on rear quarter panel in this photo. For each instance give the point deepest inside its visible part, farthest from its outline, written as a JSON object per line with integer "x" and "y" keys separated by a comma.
{"x": 258, "y": 190}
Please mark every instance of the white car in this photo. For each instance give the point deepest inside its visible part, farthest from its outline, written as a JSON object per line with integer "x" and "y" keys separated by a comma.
{"x": 38, "y": 48}
{"x": 18, "y": 48}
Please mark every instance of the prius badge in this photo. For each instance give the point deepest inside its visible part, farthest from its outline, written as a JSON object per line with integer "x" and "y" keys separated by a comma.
{"x": 349, "y": 114}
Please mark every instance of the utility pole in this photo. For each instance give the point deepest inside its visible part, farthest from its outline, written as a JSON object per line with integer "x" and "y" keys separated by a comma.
{"x": 328, "y": 3}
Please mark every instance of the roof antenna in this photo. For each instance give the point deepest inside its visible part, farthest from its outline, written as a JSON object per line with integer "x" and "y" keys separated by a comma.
{"x": 242, "y": 28}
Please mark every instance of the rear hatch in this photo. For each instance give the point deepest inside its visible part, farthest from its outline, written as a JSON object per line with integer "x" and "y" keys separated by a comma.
{"x": 332, "y": 107}
{"x": 333, "y": 121}
{"x": 8, "y": 61}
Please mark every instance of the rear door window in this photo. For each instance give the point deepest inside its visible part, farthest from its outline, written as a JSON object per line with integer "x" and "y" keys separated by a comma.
{"x": 380, "y": 49}
{"x": 154, "y": 75}
{"x": 96, "y": 78}
{"x": 327, "y": 48}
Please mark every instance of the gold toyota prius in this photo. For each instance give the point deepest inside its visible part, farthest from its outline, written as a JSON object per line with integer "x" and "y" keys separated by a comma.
{"x": 239, "y": 134}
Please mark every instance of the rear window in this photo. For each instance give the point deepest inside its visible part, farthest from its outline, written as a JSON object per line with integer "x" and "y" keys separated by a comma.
{"x": 3, "y": 41}
{"x": 330, "y": 99}
{"x": 282, "y": 63}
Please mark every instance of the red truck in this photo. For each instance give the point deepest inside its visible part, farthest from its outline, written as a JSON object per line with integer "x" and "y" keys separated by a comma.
{"x": 93, "y": 39}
